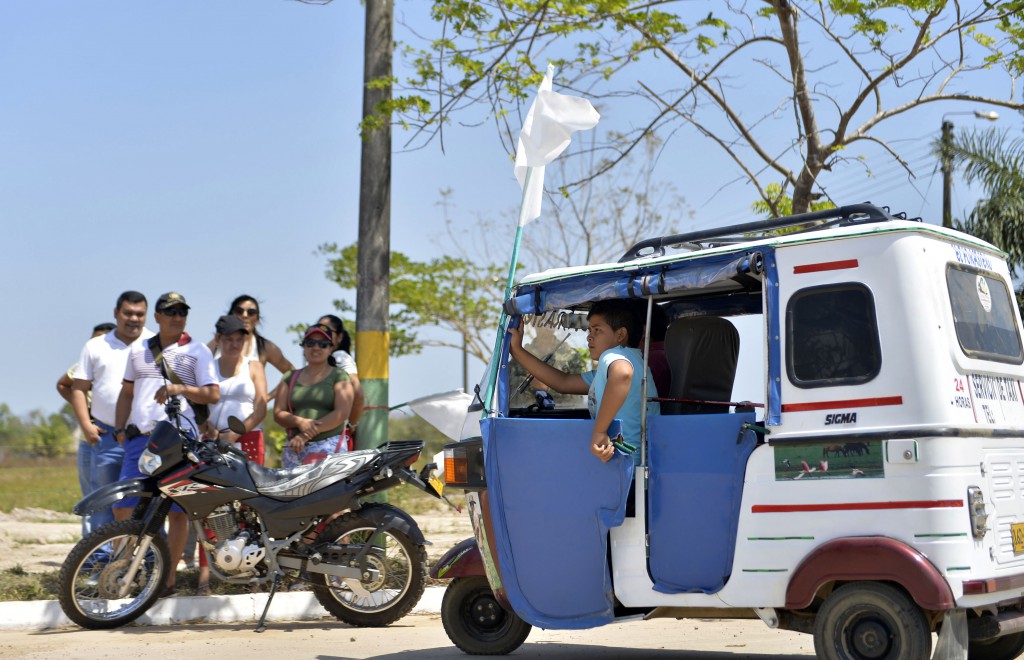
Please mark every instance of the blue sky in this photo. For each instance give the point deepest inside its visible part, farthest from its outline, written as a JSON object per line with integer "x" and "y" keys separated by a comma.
{"x": 209, "y": 147}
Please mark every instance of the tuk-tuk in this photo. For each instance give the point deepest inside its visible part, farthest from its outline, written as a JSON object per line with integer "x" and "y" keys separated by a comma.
{"x": 840, "y": 452}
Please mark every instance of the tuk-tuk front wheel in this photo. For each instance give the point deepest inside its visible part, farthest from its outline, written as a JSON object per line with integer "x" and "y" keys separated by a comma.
{"x": 871, "y": 620}
{"x": 476, "y": 622}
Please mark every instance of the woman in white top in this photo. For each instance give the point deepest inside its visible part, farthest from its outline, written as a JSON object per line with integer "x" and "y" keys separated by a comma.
{"x": 257, "y": 347}
{"x": 243, "y": 390}
{"x": 343, "y": 360}
{"x": 243, "y": 394}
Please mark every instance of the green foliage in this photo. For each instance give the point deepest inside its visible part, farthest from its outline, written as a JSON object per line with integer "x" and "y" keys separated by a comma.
{"x": 448, "y": 292}
{"x": 36, "y": 434}
{"x": 782, "y": 203}
{"x": 995, "y": 161}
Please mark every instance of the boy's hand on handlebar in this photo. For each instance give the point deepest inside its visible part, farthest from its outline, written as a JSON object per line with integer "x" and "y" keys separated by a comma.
{"x": 601, "y": 446}
{"x": 517, "y": 337}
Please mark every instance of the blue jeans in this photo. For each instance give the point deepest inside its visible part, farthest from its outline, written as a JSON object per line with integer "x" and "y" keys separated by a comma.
{"x": 99, "y": 465}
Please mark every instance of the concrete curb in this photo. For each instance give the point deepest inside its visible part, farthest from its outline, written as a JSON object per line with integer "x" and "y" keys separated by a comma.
{"x": 287, "y": 606}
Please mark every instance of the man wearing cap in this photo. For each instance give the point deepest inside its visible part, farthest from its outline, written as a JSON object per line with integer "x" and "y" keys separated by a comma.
{"x": 185, "y": 370}
{"x": 99, "y": 372}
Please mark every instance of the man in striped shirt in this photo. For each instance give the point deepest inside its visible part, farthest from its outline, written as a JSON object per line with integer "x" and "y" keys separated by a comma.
{"x": 187, "y": 372}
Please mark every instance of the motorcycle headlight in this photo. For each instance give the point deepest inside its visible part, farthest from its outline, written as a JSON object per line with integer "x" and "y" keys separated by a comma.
{"x": 149, "y": 462}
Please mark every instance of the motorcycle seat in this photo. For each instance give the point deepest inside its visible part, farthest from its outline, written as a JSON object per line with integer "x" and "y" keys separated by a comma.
{"x": 301, "y": 480}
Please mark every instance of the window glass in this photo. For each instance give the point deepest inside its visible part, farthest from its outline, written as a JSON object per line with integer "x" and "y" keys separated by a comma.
{"x": 832, "y": 336}
{"x": 983, "y": 315}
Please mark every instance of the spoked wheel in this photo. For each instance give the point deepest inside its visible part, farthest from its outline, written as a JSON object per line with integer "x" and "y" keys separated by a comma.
{"x": 476, "y": 623}
{"x": 93, "y": 588}
{"x": 393, "y": 580}
{"x": 1006, "y": 647}
{"x": 871, "y": 620}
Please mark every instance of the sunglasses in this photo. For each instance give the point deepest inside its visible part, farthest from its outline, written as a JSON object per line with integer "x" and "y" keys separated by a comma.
{"x": 175, "y": 311}
{"x": 239, "y": 311}
{"x": 321, "y": 343}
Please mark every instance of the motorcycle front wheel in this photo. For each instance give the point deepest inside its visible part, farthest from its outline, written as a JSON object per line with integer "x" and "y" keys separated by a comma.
{"x": 400, "y": 567}
{"x": 92, "y": 576}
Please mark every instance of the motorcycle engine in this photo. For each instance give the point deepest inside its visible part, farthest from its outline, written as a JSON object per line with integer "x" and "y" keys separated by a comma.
{"x": 237, "y": 552}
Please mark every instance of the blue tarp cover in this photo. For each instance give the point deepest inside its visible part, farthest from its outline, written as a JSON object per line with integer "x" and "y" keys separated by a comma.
{"x": 552, "y": 503}
{"x": 629, "y": 281}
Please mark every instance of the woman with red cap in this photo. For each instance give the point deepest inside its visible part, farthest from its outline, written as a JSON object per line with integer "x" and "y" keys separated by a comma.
{"x": 313, "y": 402}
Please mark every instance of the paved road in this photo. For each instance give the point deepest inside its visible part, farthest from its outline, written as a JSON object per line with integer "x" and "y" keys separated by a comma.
{"x": 416, "y": 637}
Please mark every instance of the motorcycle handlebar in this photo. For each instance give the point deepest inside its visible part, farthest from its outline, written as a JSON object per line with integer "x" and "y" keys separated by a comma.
{"x": 226, "y": 448}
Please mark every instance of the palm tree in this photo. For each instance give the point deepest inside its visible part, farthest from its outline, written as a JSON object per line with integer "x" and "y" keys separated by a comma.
{"x": 993, "y": 160}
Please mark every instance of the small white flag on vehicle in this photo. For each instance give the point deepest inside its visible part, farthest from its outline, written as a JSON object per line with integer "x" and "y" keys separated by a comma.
{"x": 547, "y": 131}
{"x": 447, "y": 411}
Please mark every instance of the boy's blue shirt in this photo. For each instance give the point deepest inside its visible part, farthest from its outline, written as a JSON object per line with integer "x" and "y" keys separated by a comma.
{"x": 630, "y": 411}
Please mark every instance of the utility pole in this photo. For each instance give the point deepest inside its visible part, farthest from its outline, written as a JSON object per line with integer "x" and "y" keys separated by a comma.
{"x": 945, "y": 143}
{"x": 373, "y": 291}
{"x": 947, "y": 173}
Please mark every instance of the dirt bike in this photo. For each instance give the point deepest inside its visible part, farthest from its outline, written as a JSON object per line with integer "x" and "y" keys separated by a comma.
{"x": 257, "y": 525}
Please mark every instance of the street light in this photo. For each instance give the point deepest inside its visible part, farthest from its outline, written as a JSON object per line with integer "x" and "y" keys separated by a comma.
{"x": 947, "y": 166}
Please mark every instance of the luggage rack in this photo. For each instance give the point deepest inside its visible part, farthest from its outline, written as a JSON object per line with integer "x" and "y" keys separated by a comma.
{"x": 843, "y": 216}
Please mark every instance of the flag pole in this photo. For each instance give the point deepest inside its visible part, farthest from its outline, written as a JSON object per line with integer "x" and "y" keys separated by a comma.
{"x": 492, "y": 378}
{"x": 547, "y": 131}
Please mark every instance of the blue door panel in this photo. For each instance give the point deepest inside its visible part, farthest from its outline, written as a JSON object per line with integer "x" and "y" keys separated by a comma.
{"x": 695, "y": 483}
{"x": 552, "y": 503}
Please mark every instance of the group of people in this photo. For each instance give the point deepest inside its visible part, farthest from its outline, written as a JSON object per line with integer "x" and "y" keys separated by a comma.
{"x": 126, "y": 373}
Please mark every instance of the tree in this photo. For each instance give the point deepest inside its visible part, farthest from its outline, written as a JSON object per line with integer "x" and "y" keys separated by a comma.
{"x": 994, "y": 161}
{"x": 37, "y": 434}
{"x": 487, "y": 57}
{"x": 448, "y": 292}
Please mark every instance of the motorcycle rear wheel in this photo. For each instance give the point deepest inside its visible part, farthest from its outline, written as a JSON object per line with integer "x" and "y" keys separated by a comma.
{"x": 91, "y": 576}
{"x": 384, "y": 599}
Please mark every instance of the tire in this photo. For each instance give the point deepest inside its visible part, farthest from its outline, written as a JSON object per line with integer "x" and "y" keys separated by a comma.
{"x": 88, "y": 579}
{"x": 1006, "y": 647}
{"x": 476, "y": 623}
{"x": 402, "y": 573}
{"x": 871, "y": 620}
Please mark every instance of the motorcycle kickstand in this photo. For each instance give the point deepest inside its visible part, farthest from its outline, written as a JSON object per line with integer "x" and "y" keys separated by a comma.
{"x": 261, "y": 626}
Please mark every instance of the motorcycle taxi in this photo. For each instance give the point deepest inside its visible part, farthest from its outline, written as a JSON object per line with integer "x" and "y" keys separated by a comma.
{"x": 840, "y": 453}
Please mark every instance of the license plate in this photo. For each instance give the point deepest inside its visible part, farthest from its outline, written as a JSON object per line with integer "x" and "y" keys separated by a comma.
{"x": 1017, "y": 533}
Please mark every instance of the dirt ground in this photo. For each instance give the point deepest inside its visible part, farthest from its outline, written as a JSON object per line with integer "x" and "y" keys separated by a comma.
{"x": 38, "y": 540}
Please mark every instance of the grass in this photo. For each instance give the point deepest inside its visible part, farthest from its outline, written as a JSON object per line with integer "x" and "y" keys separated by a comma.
{"x": 18, "y": 584}
{"x": 39, "y": 483}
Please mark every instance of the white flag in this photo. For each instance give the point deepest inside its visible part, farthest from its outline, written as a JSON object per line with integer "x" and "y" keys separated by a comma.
{"x": 548, "y": 129}
{"x": 447, "y": 412}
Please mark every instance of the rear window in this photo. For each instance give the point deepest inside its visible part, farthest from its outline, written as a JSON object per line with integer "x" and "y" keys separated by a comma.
{"x": 832, "y": 336}
{"x": 983, "y": 316}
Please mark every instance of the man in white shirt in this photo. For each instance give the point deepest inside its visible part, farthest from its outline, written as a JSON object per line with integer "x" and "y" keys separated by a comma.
{"x": 100, "y": 370}
{"x": 147, "y": 387}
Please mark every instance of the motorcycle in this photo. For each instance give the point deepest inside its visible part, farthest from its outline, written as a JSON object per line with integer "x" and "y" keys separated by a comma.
{"x": 367, "y": 567}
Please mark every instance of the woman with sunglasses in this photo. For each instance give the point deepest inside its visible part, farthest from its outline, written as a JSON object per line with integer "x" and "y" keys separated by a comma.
{"x": 243, "y": 394}
{"x": 257, "y": 347}
{"x": 313, "y": 403}
{"x": 343, "y": 359}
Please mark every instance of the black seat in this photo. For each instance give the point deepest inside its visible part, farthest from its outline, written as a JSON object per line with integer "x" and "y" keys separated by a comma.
{"x": 299, "y": 481}
{"x": 702, "y": 353}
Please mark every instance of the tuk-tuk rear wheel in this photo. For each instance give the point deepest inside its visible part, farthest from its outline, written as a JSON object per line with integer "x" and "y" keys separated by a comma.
{"x": 476, "y": 622}
{"x": 871, "y": 620}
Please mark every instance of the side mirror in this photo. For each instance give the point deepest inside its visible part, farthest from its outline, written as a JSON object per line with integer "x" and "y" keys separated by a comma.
{"x": 236, "y": 425}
